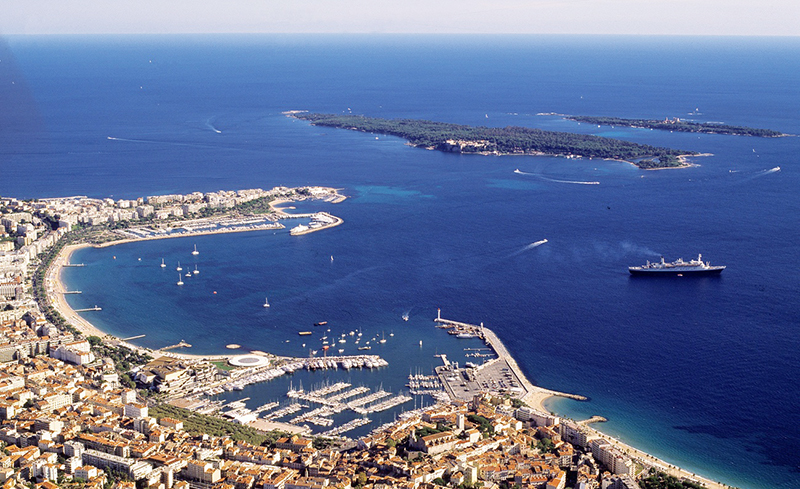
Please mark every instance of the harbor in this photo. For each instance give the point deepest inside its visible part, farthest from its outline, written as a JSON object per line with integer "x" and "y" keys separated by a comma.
{"x": 499, "y": 376}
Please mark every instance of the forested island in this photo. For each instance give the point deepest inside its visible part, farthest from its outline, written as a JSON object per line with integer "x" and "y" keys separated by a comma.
{"x": 676, "y": 124}
{"x": 510, "y": 140}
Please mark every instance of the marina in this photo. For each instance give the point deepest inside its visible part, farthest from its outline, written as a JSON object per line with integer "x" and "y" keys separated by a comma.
{"x": 370, "y": 403}
{"x": 499, "y": 376}
{"x": 197, "y": 227}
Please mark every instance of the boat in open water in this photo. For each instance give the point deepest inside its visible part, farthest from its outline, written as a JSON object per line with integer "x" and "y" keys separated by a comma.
{"x": 678, "y": 267}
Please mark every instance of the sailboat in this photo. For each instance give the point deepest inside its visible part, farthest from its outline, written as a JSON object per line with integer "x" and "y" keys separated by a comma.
{"x": 196, "y": 271}
{"x": 266, "y": 302}
{"x": 382, "y": 340}
{"x": 180, "y": 282}
{"x": 195, "y": 252}
{"x": 179, "y": 267}
{"x": 163, "y": 265}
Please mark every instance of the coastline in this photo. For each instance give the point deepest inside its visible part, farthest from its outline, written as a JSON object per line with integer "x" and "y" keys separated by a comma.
{"x": 55, "y": 286}
{"x": 182, "y": 235}
{"x": 535, "y": 397}
{"x": 55, "y": 289}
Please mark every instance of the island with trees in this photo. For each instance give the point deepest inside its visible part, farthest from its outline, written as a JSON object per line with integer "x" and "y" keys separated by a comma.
{"x": 510, "y": 140}
{"x": 676, "y": 124}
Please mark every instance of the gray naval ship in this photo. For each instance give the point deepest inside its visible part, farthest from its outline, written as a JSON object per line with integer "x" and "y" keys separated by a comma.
{"x": 678, "y": 267}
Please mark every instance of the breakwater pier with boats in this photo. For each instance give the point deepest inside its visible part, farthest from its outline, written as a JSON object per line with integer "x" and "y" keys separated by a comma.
{"x": 265, "y": 372}
{"x": 500, "y": 376}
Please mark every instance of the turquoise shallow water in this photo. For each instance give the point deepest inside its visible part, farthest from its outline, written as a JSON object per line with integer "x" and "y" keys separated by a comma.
{"x": 690, "y": 370}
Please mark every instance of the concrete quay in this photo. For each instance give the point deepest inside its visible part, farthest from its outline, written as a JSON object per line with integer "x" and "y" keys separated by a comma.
{"x": 501, "y": 375}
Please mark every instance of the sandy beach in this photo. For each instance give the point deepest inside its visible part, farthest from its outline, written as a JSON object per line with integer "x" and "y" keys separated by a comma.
{"x": 535, "y": 397}
{"x": 55, "y": 291}
{"x": 55, "y": 287}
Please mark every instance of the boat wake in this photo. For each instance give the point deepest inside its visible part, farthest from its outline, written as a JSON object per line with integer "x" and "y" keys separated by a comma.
{"x": 574, "y": 182}
{"x": 211, "y": 126}
{"x": 753, "y": 176}
{"x": 177, "y": 143}
{"x": 525, "y": 248}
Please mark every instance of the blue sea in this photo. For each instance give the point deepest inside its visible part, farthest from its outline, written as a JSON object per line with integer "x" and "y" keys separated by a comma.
{"x": 701, "y": 372}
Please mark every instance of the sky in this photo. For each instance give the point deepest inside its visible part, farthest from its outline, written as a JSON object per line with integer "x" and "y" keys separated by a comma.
{"x": 632, "y": 17}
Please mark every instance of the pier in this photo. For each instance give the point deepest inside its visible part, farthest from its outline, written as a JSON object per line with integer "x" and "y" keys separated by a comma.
{"x": 500, "y": 375}
{"x": 593, "y": 419}
{"x": 182, "y": 344}
{"x": 95, "y": 308}
{"x": 72, "y": 292}
{"x": 350, "y": 425}
{"x": 75, "y": 265}
{"x": 133, "y": 337}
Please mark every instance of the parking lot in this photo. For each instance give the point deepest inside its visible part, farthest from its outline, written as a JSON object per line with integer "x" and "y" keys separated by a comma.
{"x": 495, "y": 377}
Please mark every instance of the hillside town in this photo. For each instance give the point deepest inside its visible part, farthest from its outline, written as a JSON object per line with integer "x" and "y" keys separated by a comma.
{"x": 88, "y": 412}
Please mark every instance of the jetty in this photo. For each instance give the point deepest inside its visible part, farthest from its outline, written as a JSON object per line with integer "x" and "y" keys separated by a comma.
{"x": 95, "y": 308}
{"x": 182, "y": 344}
{"x": 133, "y": 337}
{"x": 500, "y": 375}
{"x": 350, "y": 425}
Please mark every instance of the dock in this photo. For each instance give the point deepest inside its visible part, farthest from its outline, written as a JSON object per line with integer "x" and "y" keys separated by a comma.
{"x": 182, "y": 344}
{"x": 95, "y": 308}
{"x": 499, "y": 375}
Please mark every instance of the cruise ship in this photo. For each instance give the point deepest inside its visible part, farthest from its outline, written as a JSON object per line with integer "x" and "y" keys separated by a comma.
{"x": 678, "y": 267}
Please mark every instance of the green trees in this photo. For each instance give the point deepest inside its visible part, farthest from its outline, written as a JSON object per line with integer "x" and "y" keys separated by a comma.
{"x": 660, "y": 480}
{"x": 198, "y": 424}
{"x": 506, "y": 140}
{"x": 678, "y": 125}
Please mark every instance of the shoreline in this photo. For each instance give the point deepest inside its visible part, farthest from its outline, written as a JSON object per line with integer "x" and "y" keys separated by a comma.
{"x": 55, "y": 290}
{"x": 535, "y": 397}
{"x": 55, "y": 287}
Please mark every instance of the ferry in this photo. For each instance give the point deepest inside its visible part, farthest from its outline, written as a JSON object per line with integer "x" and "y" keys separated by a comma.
{"x": 678, "y": 267}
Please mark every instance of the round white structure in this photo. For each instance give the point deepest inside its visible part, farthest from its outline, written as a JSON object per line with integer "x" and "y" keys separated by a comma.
{"x": 248, "y": 361}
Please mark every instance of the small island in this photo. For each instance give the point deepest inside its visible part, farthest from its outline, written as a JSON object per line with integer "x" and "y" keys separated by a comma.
{"x": 510, "y": 140}
{"x": 676, "y": 124}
